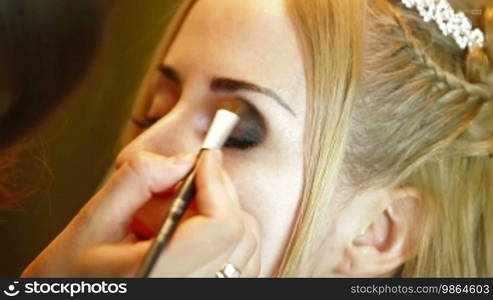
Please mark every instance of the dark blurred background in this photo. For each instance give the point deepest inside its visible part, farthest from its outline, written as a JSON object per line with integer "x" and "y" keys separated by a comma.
{"x": 72, "y": 153}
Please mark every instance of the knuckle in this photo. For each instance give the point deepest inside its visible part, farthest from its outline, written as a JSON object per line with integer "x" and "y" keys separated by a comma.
{"x": 137, "y": 162}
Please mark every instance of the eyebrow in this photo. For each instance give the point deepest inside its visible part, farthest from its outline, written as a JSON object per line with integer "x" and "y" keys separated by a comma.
{"x": 229, "y": 85}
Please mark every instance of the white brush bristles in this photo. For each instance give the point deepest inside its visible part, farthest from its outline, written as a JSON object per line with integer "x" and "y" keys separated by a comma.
{"x": 222, "y": 125}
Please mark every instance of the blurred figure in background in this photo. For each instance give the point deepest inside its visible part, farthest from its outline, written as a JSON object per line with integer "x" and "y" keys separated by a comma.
{"x": 46, "y": 48}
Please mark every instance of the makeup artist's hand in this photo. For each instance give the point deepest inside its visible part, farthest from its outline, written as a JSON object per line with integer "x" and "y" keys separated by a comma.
{"x": 97, "y": 241}
{"x": 216, "y": 230}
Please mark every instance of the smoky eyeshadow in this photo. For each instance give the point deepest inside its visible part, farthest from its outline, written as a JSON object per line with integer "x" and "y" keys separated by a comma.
{"x": 249, "y": 132}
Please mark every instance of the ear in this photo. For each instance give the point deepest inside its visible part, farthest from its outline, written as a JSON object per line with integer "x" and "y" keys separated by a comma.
{"x": 390, "y": 238}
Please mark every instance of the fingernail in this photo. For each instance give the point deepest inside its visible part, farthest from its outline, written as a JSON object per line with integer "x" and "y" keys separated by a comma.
{"x": 184, "y": 158}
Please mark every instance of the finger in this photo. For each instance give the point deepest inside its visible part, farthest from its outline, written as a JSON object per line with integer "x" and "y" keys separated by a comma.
{"x": 246, "y": 255}
{"x": 110, "y": 260}
{"x": 212, "y": 197}
{"x": 252, "y": 268}
{"x": 107, "y": 215}
{"x": 197, "y": 249}
{"x": 243, "y": 252}
{"x": 230, "y": 188}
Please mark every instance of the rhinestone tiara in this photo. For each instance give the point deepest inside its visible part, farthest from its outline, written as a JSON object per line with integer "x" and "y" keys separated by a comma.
{"x": 450, "y": 23}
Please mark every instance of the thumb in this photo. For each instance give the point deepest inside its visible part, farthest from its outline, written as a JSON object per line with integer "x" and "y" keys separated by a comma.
{"x": 106, "y": 217}
{"x": 114, "y": 260}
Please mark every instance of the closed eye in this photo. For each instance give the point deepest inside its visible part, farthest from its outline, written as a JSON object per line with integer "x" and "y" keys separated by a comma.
{"x": 144, "y": 124}
{"x": 245, "y": 136}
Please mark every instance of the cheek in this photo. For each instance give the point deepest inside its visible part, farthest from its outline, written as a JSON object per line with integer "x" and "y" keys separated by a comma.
{"x": 269, "y": 183}
{"x": 269, "y": 189}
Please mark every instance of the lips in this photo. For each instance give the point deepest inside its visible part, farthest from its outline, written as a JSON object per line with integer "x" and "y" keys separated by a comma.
{"x": 148, "y": 218}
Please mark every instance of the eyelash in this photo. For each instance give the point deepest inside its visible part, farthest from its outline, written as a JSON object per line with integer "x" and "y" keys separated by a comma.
{"x": 241, "y": 144}
{"x": 144, "y": 124}
{"x": 231, "y": 142}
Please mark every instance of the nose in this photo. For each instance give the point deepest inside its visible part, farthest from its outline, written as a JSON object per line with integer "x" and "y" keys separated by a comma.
{"x": 180, "y": 131}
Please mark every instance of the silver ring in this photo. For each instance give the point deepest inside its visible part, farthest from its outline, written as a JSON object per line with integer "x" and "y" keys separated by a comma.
{"x": 228, "y": 271}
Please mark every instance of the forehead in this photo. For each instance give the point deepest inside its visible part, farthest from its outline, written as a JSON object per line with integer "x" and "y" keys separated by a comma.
{"x": 251, "y": 40}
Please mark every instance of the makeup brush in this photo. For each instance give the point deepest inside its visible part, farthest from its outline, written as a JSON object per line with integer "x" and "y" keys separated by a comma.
{"x": 225, "y": 120}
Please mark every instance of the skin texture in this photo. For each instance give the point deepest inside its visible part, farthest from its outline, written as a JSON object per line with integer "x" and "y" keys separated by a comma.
{"x": 250, "y": 41}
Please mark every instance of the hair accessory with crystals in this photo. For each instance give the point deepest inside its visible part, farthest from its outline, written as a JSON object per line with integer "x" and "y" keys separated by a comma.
{"x": 450, "y": 23}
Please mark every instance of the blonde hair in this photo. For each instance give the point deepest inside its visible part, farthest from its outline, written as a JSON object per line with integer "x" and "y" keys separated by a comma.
{"x": 332, "y": 43}
{"x": 422, "y": 120}
{"x": 425, "y": 120}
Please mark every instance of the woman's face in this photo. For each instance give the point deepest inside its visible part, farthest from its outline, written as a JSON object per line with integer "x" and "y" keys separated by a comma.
{"x": 237, "y": 50}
